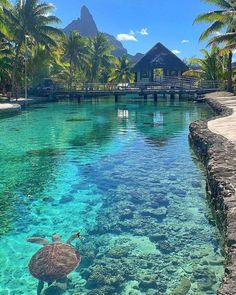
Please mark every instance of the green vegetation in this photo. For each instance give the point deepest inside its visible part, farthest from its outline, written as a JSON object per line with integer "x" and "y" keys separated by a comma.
{"x": 211, "y": 67}
{"x": 28, "y": 36}
{"x": 122, "y": 71}
{"x": 222, "y": 31}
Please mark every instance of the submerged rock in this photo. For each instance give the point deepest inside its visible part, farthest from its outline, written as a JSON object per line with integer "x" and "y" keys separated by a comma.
{"x": 53, "y": 290}
{"x": 66, "y": 199}
{"x": 126, "y": 214}
{"x": 206, "y": 279}
{"x": 48, "y": 152}
{"x": 78, "y": 120}
{"x": 157, "y": 237}
{"x": 196, "y": 184}
{"x": 118, "y": 252}
{"x": 159, "y": 213}
{"x": 165, "y": 247}
{"x": 183, "y": 288}
{"x": 148, "y": 283}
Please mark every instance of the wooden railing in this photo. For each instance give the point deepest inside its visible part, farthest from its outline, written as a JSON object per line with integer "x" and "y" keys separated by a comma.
{"x": 163, "y": 83}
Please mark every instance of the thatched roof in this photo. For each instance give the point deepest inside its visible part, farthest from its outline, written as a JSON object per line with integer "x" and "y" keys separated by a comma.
{"x": 160, "y": 57}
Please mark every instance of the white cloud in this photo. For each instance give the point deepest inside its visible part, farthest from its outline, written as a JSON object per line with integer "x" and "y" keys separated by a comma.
{"x": 176, "y": 51}
{"x": 217, "y": 33}
{"x": 185, "y": 41}
{"x": 131, "y": 32}
{"x": 127, "y": 37}
{"x": 143, "y": 32}
{"x": 234, "y": 51}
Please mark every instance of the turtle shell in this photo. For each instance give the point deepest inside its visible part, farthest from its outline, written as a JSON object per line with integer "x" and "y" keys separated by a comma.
{"x": 54, "y": 261}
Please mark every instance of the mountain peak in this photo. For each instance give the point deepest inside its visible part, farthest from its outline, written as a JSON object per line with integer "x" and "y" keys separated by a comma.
{"x": 87, "y": 27}
{"x": 85, "y": 24}
{"x": 85, "y": 12}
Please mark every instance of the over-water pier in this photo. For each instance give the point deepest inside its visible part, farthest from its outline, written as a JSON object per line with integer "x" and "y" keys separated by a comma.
{"x": 164, "y": 86}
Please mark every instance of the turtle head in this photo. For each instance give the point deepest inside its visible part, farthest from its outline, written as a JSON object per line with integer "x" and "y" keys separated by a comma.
{"x": 77, "y": 235}
{"x": 56, "y": 238}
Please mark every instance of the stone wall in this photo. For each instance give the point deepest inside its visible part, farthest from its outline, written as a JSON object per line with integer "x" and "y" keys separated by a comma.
{"x": 219, "y": 157}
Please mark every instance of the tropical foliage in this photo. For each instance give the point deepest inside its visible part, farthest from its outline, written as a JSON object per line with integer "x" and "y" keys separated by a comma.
{"x": 100, "y": 58}
{"x": 29, "y": 38}
{"x": 122, "y": 71}
{"x": 211, "y": 67}
{"x": 222, "y": 30}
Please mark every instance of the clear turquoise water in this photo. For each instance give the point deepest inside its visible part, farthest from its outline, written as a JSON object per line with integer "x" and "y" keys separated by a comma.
{"x": 124, "y": 175}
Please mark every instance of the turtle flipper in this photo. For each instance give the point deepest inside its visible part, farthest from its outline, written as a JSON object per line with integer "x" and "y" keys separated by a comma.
{"x": 38, "y": 240}
{"x": 40, "y": 287}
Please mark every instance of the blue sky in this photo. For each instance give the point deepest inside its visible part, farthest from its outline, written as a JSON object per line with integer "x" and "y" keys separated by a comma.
{"x": 145, "y": 22}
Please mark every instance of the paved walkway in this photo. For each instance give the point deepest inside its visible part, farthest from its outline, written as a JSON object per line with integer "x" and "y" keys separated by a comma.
{"x": 9, "y": 108}
{"x": 225, "y": 126}
{"x": 15, "y": 106}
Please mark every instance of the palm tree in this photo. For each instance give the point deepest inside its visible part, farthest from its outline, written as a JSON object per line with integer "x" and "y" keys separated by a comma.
{"x": 39, "y": 64}
{"x": 5, "y": 61}
{"x": 3, "y": 27}
{"x": 224, "y": 18}
{"x": 212, "y": 67}
{"x": 100, "y": 56}
{"x": 123, "y": 71}
{"x": 75, "y": 48}
{"x": 30, "y": 20}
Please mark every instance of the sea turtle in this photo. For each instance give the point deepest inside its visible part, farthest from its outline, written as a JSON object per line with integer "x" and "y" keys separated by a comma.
{"x": 54, "y": 261}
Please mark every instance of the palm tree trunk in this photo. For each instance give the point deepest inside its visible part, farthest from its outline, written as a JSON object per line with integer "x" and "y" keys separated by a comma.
{"x": 71, "y": 76}
{"x": 230, "y": 73}
{"x": 15, "y": 68}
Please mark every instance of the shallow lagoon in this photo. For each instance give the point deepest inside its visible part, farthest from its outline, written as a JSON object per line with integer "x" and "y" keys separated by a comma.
{"x": 124, "y": 175}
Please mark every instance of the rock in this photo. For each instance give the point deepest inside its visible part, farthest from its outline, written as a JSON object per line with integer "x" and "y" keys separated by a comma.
{"x": 157, "y": 237}
{"x": 148, "y": 283}
{"x": 205, "y": 278}
{"x": 159, "y": 213}
{"x": 196, "y": 184}
{"x": 107, "y": 274}
{"x": 53, "y": 290}
{"x": 172, "y": 177}
{"x": 165, "y": 247}
{"x": 126, "y": 214}
{"x": 66, "y": 199}
{"x": 105, "y": 290}
{"x": 183, "y": 288}
{"x": 179, "y": 192}
{"x": 48, "y": 199}
{"x": 118, "y": 252}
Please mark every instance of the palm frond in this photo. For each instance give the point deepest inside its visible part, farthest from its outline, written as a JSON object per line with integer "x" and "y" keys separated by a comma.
{"x": 227, "y": 49}
{"x": 210, "y": 17}
{"x": 224, "y": 38}
{"x": 214, "y": 28}
{"x": 221, "y": 3}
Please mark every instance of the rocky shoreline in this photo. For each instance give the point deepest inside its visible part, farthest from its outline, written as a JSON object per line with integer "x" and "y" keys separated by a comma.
{"x": 218, "y": 155}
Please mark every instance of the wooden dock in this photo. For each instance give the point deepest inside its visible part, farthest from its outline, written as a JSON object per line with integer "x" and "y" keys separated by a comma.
{"x": 165, "y": 86}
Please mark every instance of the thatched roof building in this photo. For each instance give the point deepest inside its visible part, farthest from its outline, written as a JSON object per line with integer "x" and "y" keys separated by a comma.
{"x": 159, "y": 61}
